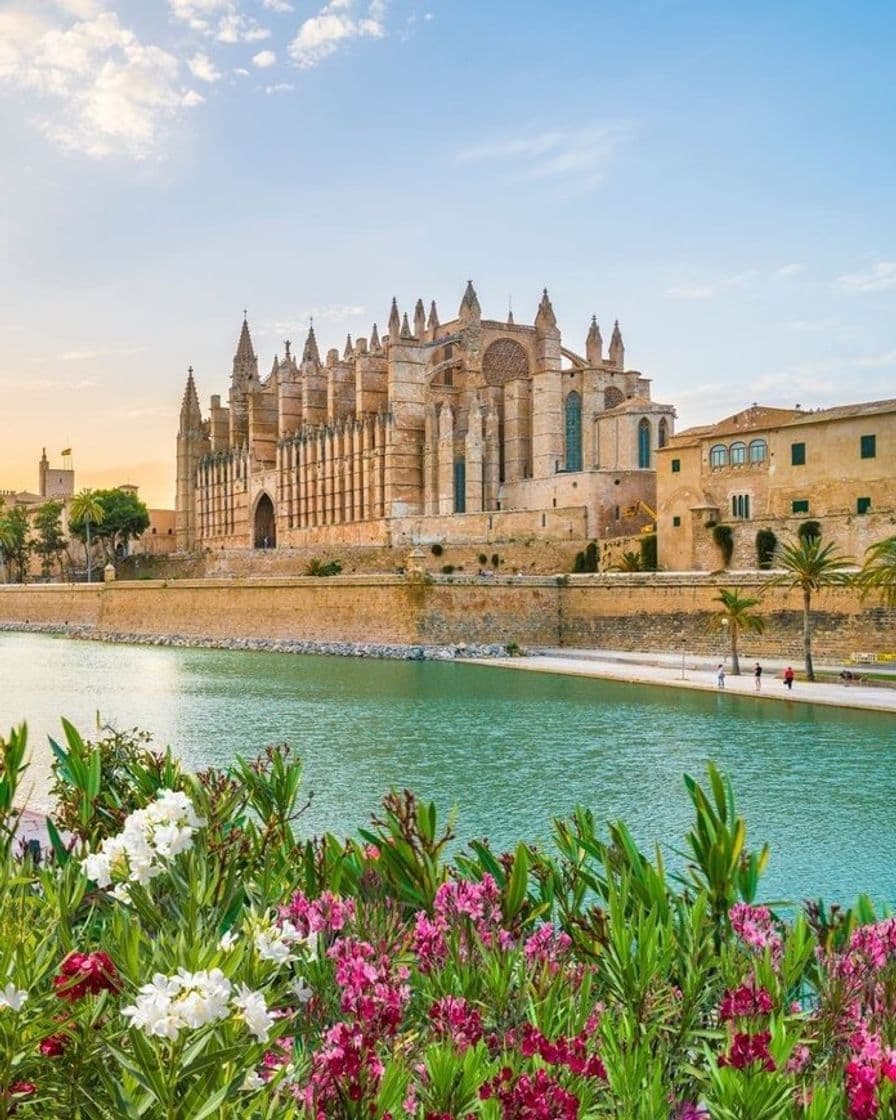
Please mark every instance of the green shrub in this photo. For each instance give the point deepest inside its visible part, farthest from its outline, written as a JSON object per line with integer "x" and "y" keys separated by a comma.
{"x": 648, "y": 552}
{"x": 724, "y": 540}
{"x": 766, "y": 543}
{"x": 447, "y": 569}
{"x": 437, "y": 549}
{"x": 482, "y": 558}
{"x": 584, "y": 947}
{"x": 496, "y": 560}
{"x": 591, "y": 557}
{"x": 318, "y": 567}
{"x": 809, "y": 531}
{"x": 578, "y": 565}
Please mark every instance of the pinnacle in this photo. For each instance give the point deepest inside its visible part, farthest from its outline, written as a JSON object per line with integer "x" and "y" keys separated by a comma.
{"x": 470, "y": 302}
{"x": 349, "y": 349}
{"x": 375, "y": 344}
{"x": 244, "y": 351}
{"x": 311, "y": 353}
{"x": 405, "y": 327}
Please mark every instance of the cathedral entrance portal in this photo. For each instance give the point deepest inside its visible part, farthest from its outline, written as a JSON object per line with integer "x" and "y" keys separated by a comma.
{"x": 265, "y": 524}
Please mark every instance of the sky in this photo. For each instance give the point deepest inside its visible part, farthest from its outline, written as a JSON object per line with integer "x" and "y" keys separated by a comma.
{"x": 720, "y": 177}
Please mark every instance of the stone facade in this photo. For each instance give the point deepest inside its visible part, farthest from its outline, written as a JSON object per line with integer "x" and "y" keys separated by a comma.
{"x": 440, "y": 431}
{"x": 770, "y": 468}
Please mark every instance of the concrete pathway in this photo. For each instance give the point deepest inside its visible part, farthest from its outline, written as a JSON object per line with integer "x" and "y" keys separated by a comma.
{"x": 677, "y": 671}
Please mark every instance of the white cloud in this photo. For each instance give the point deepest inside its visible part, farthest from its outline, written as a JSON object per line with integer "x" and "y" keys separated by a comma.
{"x": 279, "y": 87}
{"x": 565, "y": 152}
{"x": 877, "y": 361}
{"x": 202, "y": 67}
{"x": 110, "y": 93}
{"x": 691, "y": 291}
{"x": 811, "y": 324}
{"x": 264, "y": 59}
{"x": 790, "y": 270}
{"x": 878, "y": 278}
{"x": 241, "y": 72}
{"x": 276, "y": 5}
{"x": 39, "y": 385}
{"x": 222, "y": 20}
{"x": 100, "y": 352}
{"x": 335, "y": 25}
{"x": 298, "y": 327}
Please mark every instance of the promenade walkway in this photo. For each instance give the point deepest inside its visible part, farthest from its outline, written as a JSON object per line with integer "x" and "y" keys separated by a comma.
{"x": 699, "y": 672}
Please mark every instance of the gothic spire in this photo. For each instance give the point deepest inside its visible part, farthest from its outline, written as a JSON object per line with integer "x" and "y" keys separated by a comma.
{"x": 419, "y": 320}
{"x": 244, "y": 351}
{"x": 375, "y": 344}
{"x": 189, "y": 409}
{"x": 405, "y": 327}
{"x": 469, "y": 305}
{"x": 432, "y": 324}
{"x": 617, "y": 348}
{"x": 594, "y": 344}
{"x": 394, "y": 321}
{"x": 311, "y": 353}
{"x": 349, "y": 349}
{"x": 545, "y": 318}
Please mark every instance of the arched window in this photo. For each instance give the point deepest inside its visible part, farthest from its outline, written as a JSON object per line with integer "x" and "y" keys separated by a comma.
{"x": 612, "y": 397}
{"x": 662, "y": 433}
{"x": 758, "y": 451}
{"x": 644, "y": 444}
{"x": 573, "y": 411}
{"x": 718, "y": 455}
{"x": 737, "y": 453}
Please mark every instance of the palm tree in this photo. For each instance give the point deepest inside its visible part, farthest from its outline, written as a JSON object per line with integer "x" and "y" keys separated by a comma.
{"x": 7, "y": 543}
{"x": 807, "y": 566}
{"x": 878, "y": 573}
{"x": 86, "y": 509}
{"x": 736, "y": 616}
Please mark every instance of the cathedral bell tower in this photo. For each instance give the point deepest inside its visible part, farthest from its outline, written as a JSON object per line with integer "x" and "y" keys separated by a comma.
{"x": 192, "y": 444}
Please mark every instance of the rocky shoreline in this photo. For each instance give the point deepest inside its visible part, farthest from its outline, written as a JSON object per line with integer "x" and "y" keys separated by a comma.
{"x": 375, "y": 650}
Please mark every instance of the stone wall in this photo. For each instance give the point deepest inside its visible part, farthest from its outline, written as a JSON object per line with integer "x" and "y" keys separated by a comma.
{"x": 642, "y": 611}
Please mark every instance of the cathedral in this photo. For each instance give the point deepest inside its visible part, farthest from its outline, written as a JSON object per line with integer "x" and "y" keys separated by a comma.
{"x": 473, "y": 429}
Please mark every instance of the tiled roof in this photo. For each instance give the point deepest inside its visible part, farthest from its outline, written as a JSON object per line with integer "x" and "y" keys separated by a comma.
{"x": 762, "y": 417}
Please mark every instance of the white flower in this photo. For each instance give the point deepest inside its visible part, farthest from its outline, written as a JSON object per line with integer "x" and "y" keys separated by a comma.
{"x": 252, "y": 1081}
{"x": 271, "y": 945}
{"x": 121, "y": 892}
{"x": 148, "y": 836}
{"x": 228, "y": 940}
{"x": 12, "y": 997}
{"x": 301, "y": 990}
{"x": 188, "y": 1000}
{"x": 254, "y": 1012}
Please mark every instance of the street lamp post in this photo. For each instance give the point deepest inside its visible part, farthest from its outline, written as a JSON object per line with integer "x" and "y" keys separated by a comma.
{"x": 725, "y": 632}
{"x": 87, "y": 526}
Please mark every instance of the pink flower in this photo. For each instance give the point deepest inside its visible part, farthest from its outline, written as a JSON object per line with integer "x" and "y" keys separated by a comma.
{"x": 745, "y": 1002}
{"x": 82, "y": 974}
{"x": 452, "y": 1017}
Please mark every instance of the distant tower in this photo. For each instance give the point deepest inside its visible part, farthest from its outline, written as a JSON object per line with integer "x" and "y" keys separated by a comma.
{"x": 243, "y": 381}
{"x": 192, "y": 443}
{"x": 594, "y": 344}
{"x": 617, "y": 349}
{"x": 42, "y": 469}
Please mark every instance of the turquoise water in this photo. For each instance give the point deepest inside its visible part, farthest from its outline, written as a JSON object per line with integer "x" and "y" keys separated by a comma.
{"x": 509, "y": 749}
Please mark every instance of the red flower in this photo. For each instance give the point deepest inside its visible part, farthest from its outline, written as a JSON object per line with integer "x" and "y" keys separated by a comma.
{"x": 82, "y": 974}
{"x": 53, "y": 1045}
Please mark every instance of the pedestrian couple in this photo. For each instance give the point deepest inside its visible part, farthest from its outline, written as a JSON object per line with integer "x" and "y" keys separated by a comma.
{"x": 757, "y": 676}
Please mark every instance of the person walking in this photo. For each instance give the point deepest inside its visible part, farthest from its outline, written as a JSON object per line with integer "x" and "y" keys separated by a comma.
{"x": 757, "y": 676}
{"x": 788, "y": 677}
{"x": 721, "y": 675}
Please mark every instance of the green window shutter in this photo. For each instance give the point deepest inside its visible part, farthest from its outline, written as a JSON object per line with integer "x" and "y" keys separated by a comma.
{"x": 797, "y": 454}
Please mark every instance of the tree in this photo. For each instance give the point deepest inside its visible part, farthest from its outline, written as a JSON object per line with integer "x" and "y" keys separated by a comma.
{"x": 736, "y": 616}
{"x": 124, "y": 518}
{"x": 808, "y": 566}
{"x": 50, "y": 541}
{"x": 86, "y": 510}
{"x": 878, "y": 574}
{"x": 14, "y": 530}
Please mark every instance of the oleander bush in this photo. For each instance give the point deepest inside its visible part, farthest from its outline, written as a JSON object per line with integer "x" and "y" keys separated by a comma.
{"x": 184, "y": 952}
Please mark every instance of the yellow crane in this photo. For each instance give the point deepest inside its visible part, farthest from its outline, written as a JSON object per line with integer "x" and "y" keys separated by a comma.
{"x": 642, "y": 507}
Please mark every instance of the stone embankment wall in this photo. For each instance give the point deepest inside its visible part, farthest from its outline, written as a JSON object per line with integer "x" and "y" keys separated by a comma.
{"x": 653, "y": 612}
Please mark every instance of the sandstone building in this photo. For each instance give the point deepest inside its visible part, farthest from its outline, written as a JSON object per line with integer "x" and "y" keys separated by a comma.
{"x": 457, "y": 431}
{"x": 773, "y": 468}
